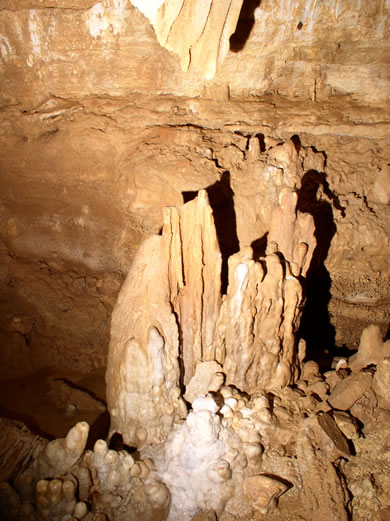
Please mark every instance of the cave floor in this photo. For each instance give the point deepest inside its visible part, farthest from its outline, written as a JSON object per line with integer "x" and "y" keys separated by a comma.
{"x": 27, "y": 399}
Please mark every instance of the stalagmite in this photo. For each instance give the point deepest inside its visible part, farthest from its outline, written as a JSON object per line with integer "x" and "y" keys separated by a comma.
{"x": 213, "y": 390}
{"x": 165, "y": 317}
{"x": 260, "y": 314}
{"x": 171, "y": 316}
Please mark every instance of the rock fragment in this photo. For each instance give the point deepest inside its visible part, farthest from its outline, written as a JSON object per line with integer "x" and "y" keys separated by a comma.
{"x": 347, "y": 424}
{"x": 263, "y": 492}
{"x": 208, "y": 377}
{"x": 372, "y": 349}
{"x": 349, "y": 390}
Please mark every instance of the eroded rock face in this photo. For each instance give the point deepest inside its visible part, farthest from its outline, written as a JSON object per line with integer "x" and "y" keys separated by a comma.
{"x": 198, "y": 32}
{"x": 260, "y": 315}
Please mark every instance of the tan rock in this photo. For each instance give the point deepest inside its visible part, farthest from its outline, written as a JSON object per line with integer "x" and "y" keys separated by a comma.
{"x": 310, "y": 371}
{"x": 198, "y": 33}
{"x": 381, "y": 383}
{"x": 170, "y": 308}
{"x": 257, "y": 327}
{"x": 205, "y": 516}
{"x": 208, "y": 377}
{"x": 349, "y": 390}
{"x": 293, "y": 232}
{"x": 332, "y": 378}
{"x": 347, "y": 424}
{"x": 372, "y": 349}
{"x": 319, "y": 389}
{"x": 382, "y": 515}
{"x": 238, "y": 505}
{"x": 381, "y": 188}
{"x": 263, "y": 492}
{"x": 194, "y": 277}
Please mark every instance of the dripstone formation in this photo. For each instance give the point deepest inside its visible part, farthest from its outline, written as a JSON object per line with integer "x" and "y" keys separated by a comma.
{"x": 228, "y": 418}
{"x": 194, "y": 202}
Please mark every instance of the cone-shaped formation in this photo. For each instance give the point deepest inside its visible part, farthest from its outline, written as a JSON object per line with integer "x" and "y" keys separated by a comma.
{"x": 170, "y": 316}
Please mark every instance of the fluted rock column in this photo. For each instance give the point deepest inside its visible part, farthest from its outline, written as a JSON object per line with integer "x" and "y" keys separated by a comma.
{"x": 257, "y": 330}
{"x": 198, "y": 31}
{"x": 166, "y": 312}
{"x": 171, "y": 316}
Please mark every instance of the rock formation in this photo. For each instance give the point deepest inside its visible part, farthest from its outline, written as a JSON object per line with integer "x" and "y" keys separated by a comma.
{"x": 198, "y": 32}
{"x": 233, "y": 389}
{"x": 171, "y": 316}
{"x": 259, "y": 422}
{"x": 235, "y": 456}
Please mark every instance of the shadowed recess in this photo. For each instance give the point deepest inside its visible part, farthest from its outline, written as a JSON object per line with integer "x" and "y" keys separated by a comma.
{"x": 259, "y": 246}
{"x": 245, "y": 24}
{"x": 316, "y": 328}
{"x": 221, "y": 198}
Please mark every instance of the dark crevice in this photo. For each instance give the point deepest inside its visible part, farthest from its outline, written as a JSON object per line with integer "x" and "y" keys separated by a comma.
{"x": 180, "y": 125}
{"x": 316, "y": 328}
{"x": 180, "y": 359}
{"x": 296, "y": 142}
{"x": 216, "y": 162}
{"x": 98, "y": 430}
{"x": 259, "y": 247}
{"x": 221, "y": 198}
{"x": 245, "y": 24}
{"x": 116, "y": 443}
{"x": 261, "y": 139}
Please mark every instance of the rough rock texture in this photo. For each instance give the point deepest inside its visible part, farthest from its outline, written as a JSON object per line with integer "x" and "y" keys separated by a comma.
{"x": 236, "y": 454}
{"x": 170, "y": 316}
{"x": 100, "y": 129}
{"x": 198, "y": 32}
{"x": 260, "y": 315}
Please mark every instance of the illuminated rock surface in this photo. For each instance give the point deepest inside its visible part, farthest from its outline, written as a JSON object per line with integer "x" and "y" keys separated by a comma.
{"x": 111, "y": 111}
